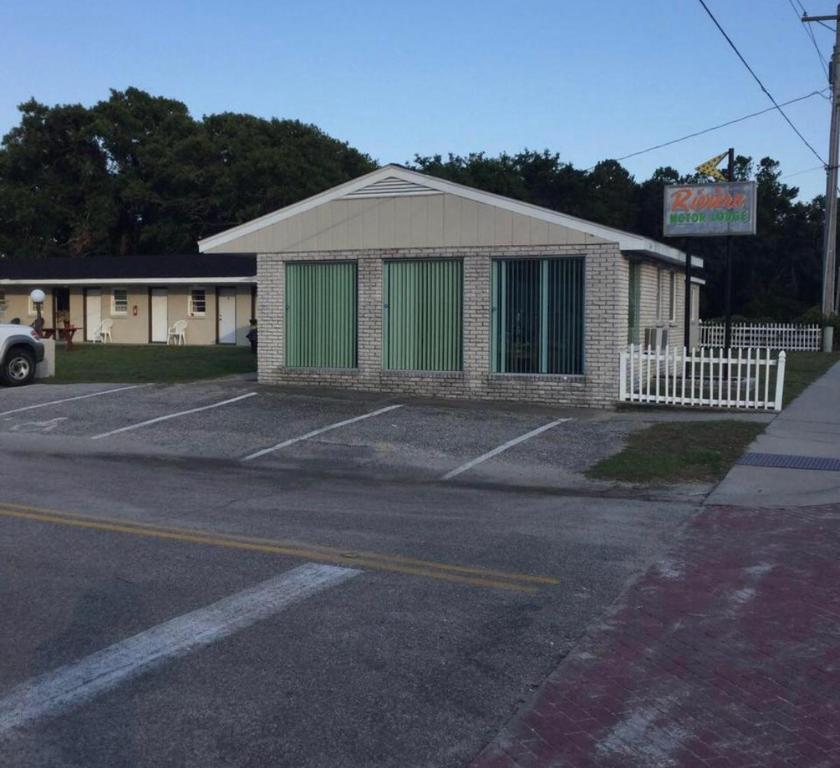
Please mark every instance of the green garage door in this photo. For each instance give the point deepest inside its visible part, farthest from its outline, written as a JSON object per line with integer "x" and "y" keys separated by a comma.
{"x": 321, "y": 315}
{"x": 423, "y": 323}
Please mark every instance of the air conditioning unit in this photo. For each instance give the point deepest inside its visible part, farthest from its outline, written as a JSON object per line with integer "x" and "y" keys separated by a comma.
{"x": 656, "y": 338}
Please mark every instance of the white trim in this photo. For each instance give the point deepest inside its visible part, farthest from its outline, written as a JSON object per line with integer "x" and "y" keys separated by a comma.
{"x": 190, "y": 307}
{"x": 626, "y": 240}
{"x": 114, "y": 311}
{"x": 121, "y": 281}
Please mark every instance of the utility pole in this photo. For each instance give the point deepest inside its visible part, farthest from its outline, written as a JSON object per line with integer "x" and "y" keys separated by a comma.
{"x": 727, "y": 335}
{"x": 829, "y": 295}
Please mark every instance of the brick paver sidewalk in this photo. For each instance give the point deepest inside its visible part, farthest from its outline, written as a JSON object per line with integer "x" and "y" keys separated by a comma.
{"x": 726, "y": 653}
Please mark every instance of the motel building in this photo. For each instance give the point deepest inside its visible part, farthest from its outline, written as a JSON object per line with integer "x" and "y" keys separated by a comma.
{"x": 402, "y": 282}
{"x": 192, "y": 299}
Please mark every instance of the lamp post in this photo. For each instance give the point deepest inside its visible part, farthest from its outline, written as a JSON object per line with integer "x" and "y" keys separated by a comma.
{"x": 38, "y": 297}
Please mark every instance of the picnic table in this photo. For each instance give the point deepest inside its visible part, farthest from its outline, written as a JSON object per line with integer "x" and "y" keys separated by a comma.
{"x": 67, "y": 334}
{"x": 64, "y": 334}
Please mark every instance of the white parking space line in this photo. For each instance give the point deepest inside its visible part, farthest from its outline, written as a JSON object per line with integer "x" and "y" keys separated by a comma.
{"x": 172, "y": 416}
{"x": 320, "y": 431}
{"x": 73, "y": 684}
{"x": 70, "y": 399}
{"x": 502, "y": 448}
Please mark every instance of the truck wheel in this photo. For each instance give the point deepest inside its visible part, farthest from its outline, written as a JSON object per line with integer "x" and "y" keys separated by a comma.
{"x": 18, "y": 368}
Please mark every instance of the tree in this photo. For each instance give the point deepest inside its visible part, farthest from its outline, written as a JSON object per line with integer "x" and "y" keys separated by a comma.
{"x": 55, "y": 194}
{"x": 137, "y": 173}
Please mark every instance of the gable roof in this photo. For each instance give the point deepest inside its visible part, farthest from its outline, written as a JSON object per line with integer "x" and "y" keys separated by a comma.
{"x": 136, "y": 269}
{"x": 396, "y": 181}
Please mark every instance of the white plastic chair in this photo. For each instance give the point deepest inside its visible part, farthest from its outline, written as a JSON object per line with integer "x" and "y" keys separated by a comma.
{"x": 177, "y": 332}
{"x": 103, "y": 332}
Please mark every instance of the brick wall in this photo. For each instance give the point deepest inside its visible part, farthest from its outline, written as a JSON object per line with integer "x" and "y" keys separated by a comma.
{"x": 605, "y": 332}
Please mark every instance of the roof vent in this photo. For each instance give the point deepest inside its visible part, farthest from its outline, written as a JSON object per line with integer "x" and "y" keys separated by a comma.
{"x": 391, "y": 186}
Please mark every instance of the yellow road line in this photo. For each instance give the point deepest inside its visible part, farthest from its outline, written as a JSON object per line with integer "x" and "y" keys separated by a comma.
{"x": 392, "y": 563}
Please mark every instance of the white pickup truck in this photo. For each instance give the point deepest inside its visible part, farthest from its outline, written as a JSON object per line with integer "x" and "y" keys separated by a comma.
{"x": 20, "y": 352}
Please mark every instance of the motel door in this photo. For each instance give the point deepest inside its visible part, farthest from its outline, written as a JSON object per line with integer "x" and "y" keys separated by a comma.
{"x": 159, "y": 314}
{"x": 227, "y": 315}
{"x": 93, "y": 312}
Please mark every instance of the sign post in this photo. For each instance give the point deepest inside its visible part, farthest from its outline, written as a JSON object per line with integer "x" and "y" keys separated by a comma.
{"x": 727, "y": 334}
{"x": 718, "y": 209}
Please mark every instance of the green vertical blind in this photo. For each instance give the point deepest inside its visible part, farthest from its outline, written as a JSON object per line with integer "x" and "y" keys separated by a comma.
{"x": 634, "y": 303}
{"x": 321, "y": 315}
{"x": 423, "y": 322}
{"x": 538, "y": 316}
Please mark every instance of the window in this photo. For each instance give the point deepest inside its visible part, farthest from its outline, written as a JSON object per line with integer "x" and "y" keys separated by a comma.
{"x": 672, "y": 296}
{"x": 538, "y": 316}
{"x": 198, "y": 302}
{"x": 119, "y": 301}
{"x": 2, "y": 302}
{"x": 660, "y": 293}
{"x": 321, "y": 315}
{"x": 634, "y": 303}
{"x": 423, "y": 322}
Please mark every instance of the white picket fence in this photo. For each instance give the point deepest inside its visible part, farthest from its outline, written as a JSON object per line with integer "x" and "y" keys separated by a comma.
{"x": 745, "y": 378}
{"x": 790, "y": 336}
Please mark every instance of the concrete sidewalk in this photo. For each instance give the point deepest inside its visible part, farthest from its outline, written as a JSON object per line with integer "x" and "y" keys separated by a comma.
{"x": 726, "y": 653}
{"x": 810, "y": 426}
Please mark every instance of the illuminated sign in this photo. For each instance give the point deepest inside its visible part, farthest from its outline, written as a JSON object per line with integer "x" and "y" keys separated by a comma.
{"x": 710, "y": 210}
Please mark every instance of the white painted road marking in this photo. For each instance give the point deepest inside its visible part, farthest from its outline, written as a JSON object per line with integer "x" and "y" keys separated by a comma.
{"x": 320, "y": 431}
{"x": 172, "y": 416}
{"x": 73, "y": 684}
{"x": 502, "y": 448}
{"x": 69, "y": 399}
{"x": 38, "y": 426}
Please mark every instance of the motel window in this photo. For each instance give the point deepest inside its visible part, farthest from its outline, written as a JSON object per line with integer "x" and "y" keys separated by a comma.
{"x": 423, "y": 315}
{"x": 538, "y": 307}
{"x": 119, "y": 301}
{"x": 672, "y": 296}
{"x": 321, "y": 315}
{"x": 198, "y": 302}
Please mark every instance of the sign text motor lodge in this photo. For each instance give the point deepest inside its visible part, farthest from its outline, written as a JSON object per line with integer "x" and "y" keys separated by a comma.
{"x": 697, "y": 210}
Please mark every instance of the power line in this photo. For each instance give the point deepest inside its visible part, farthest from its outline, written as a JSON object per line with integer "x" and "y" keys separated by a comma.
{"x": 799, "y": 173}
{"x": 717, "y": 127}
{"x": 810, "y": 32}
{"x": 760, "y": 84}
{"x": 821, "y": 23}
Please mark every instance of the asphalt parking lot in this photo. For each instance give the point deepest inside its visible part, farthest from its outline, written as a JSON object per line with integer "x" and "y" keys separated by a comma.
{"x": 195, "y": 575}
{"x": 376, "y": 436}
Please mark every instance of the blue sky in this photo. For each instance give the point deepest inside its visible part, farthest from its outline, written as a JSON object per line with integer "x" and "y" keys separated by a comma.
{"x": 399, "y": 77}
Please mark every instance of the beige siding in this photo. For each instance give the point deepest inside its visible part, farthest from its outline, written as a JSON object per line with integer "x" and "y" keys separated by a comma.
{"x": 244, "y": 312}
{"x": 651, "y": 273}
{"x": 128, "y": 328}
{"x": 17, "y": 305}
{"x": 132, "y": 327}
{"x": 419, "y": 221}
